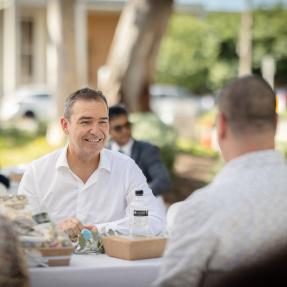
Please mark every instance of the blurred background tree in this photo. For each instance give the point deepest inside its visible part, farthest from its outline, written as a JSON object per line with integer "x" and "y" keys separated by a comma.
{"x": 201, "y": 53}
{"x": 133, "y": 52}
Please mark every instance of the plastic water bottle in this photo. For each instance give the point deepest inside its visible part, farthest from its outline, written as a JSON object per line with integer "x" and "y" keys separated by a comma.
{"x": 138, "y": 214}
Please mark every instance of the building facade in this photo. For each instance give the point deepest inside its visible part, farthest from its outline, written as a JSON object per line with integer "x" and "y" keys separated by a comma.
{"x": 29, "y": 31}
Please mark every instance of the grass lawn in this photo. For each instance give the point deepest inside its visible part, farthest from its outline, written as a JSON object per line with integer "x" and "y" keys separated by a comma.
{"x": 18, "y": 148}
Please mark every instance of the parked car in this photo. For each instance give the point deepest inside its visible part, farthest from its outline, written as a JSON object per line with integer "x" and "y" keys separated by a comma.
{"x": 29, "y": 101}
{"x": 171, "y": 101}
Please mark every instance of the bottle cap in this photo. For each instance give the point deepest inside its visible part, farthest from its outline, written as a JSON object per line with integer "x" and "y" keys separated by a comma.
{"x": 139, "y": 192}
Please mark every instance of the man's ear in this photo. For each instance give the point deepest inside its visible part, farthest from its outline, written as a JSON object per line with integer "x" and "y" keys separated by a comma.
{"x": 64, "y": 123}
{"x": 221, "y": 125}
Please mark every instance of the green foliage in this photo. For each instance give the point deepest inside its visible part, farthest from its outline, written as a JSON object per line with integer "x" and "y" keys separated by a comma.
{"x": 200, "y": 53}
{"x": 148, "y": 127}
{"x": 190, "y": 147}
{"x": 94, "y": 244}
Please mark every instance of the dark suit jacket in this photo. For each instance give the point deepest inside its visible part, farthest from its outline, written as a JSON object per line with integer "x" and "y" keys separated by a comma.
{"x": 147, "y": 157}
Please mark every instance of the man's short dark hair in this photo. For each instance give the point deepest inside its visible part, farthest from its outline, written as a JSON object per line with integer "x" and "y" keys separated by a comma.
{"x": 85, "y": 94}
{"x": 248, "y": 104}
{"x": 116, "y": 111}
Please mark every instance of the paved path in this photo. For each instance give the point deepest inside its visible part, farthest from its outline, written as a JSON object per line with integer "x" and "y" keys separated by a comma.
{"x": 191, "y": 172}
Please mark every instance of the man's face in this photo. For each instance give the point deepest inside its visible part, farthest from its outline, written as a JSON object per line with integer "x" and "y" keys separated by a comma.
{"x": 88, "y": 128}
{"x": 120, "y": 129}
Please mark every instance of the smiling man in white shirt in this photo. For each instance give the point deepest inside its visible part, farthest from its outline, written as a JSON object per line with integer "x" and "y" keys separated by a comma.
{"x": 84, "y": 185}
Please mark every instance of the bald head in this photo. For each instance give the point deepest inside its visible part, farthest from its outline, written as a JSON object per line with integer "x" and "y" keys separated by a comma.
{"x": 249, "y": 106}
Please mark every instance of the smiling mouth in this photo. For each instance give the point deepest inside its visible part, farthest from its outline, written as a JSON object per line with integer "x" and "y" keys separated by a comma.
{"x": 93, "y": 141}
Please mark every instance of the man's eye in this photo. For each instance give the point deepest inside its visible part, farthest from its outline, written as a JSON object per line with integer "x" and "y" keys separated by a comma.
{"x": 84, "y": 122}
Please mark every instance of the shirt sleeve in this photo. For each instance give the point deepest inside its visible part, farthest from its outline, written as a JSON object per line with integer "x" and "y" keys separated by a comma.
{"x": 135, "y": 180}
{"x": 189, "y": 248}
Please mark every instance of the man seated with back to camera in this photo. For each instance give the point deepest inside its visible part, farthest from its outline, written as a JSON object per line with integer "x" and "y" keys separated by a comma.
{"x": 240, "y": 218}
{"x": 146, "y": 155}
{"x": 84, "y": 185}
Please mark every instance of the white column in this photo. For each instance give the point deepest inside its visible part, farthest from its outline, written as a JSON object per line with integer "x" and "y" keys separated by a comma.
{"x": 10, "y": 53}
{"x": 245, "y": 41}
{"x": 268, "y": 69}
{"x": 40, "y": 46}
{"x": 1, "y": 54}
{"x": 81, "y": 43}
{"x": 54, "y": 27}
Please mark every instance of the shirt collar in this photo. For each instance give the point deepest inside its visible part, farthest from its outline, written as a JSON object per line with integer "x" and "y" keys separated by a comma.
{"x": 255, "y": 158}
{"x": 62, "y": 160}
{"x": 104, "y": 161}
{"x": 127, "y": 148}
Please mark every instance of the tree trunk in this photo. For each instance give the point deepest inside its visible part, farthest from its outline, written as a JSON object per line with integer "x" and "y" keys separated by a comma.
{"x": 245, "y": 44}
{"x": 61, "y": 61}
{"x": 133, "y": 52}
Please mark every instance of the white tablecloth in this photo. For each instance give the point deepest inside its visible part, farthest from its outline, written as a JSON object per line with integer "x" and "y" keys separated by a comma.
{"x": 97, "y": 270}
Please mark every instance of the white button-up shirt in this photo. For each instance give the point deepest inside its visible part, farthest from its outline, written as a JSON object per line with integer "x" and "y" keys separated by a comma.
{"x": 126, "y": 149}
{"x": 104, "y": 200}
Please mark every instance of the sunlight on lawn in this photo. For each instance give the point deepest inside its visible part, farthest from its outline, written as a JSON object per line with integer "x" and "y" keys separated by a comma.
{"x": 13, "y": 153}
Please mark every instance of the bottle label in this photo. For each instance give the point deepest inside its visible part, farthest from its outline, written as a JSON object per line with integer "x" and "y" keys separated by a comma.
{"x": 140, "y": 218}
{"x": 140, "y": 212}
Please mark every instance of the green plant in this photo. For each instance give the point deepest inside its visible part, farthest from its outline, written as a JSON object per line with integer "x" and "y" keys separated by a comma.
{"x": 148, "y": 127}
{"x": 93, "y": 244}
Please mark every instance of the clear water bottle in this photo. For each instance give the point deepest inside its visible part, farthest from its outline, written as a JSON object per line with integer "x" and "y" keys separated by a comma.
{"x": 138, "y": 214}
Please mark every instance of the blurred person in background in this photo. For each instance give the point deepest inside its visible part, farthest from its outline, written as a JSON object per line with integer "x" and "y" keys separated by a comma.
{"x": 84, "y": 185}
{"x": 13, "y": 267}
{"x": 239, "y": 219}
{"x": 146, "y": 155}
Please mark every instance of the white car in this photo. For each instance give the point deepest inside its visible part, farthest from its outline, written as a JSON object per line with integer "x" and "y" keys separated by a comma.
{"x": 30, "y": 101}
{"x": 170, "y": 102}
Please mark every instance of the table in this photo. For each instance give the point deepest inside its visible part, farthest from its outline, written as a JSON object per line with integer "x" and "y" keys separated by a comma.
{"x": 97, "y": 270}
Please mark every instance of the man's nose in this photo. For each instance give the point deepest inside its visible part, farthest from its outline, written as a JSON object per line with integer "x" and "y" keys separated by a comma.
{"x": 95, "y": 129}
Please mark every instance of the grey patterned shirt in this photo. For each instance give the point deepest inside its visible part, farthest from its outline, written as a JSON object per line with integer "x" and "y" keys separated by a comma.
{"x": 236, "y": 220}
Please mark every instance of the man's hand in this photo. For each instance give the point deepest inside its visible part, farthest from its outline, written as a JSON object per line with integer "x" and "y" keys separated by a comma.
{"x": 91, "y": 228}
{"x": 72, "y": 226}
